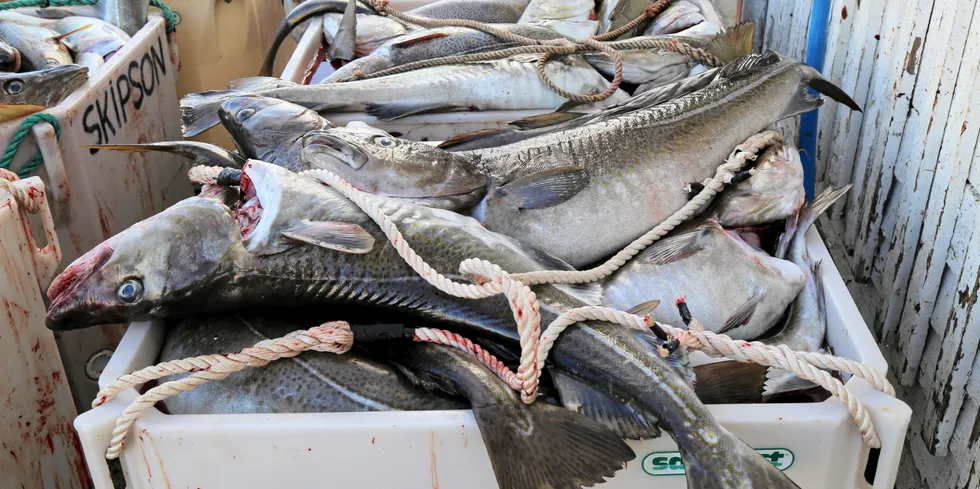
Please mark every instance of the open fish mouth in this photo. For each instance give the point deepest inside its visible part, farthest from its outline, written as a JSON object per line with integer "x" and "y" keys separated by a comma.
{"x": 66, "y": 282}
{"x": 337, "y": 150}
{"x": 259, "y": 203}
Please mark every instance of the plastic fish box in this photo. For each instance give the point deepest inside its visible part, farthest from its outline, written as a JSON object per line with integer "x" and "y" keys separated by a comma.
{"x": 95, "y": 194}
{"x": 817, "y": 444}
{"x": 306, "y": 67}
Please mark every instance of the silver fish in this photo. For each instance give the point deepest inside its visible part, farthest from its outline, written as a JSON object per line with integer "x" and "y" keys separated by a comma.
{"x": 576, "y": 29}
{"x": 373, "y": 161}
{"x": 806, "y": 323}
{"x": 576, "y": 451}
{"x": 200, "y": 255}
{"x": 128, "y": 15}
{"x": 269, "y": 129}
{"x": 732, "y": 288}
{"x": 309, "y": 383}
{"x": 435, "y": 43}
{"x": 621, "y": 176}
{"x": 680, "y": 15}
{"x": 557, "y": 10}
{"x": 372, "y": 32}
{"x": 39, "y": 46}
{"x": 9, "y": 58}
{"x": 44, "y": 88}
{"x": 506, "y": 84}
{"x": 486, "y": 11}
{"x": 773, "y": 192}
{"x": 614, "y": 14}
{"x": 84, "y": 35}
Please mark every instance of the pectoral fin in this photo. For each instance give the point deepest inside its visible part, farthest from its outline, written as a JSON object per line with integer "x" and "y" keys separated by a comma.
{"x": 544, "y": 120}
{"x": 395, "y": 110}
{"x": 643, "y": 308}
{"x": 546, "y": 188}
{"x": 339, "y": 236}
{"x": 612, "y": 413}
{"x": 470, "y": 136}
{"x": 672, "y": 249}
{"x": 418, "y": 38}
{"x": 743, "y": 314}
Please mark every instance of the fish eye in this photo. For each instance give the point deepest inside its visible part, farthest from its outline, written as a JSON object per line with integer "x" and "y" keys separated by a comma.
{"x": 51, "y": 62}
{"x": 245, "y": 114}
{"x": 13, "y": 87}
{"x": 130, "y": 291}
{"x": 384, "y": 141}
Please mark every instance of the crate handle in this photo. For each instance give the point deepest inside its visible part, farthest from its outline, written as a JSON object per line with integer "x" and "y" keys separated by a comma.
{"x": 45, "y": 259}
{"x": 54, "y": 165}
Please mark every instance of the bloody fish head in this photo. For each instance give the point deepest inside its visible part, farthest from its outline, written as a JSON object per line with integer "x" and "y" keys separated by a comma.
{"x": 376, "y": 162}
{"x": 142, "y": 272}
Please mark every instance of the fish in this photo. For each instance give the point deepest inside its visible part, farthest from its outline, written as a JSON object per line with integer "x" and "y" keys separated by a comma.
{"x": 92, "y": 61}
{"x": 83, "y": 35}
{"x": 575, "y": 29}
{"x": 677, "y": 17}
{"x": 806, "y": 321}
{"x": 654, "y": 65}
{"x": 530, "y": 445}
{"x": 485, "y": 11}
{"x": 374, "y": 161}
{"x": 293, "y": 241}
{"x": 300, "y": 15}
{"x": 504, "y": 84}
{"x": 39, "y": 46}
{"x": 44, "y": 88}
{"x": 372, "y": 32}
{"x": 199, "y": 153}
{"x": 557, "y": 10}
{"x": 731, "y": 287}
{"x": 620, "y": 176}
{"x": 537, "y": 125}
{"x": 774, "y": 191}
{"x": 435, "y": 43}
{"x": 614, "y": 14}
{"x": 311, "y": 382}
{"x": 128, "y": 15}
{"x": 9, "y": 58}
{"x": 270, "y": 129}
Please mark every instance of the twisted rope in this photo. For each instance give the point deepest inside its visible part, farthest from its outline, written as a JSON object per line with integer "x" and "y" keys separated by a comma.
{"x": 44, "y": 3}
{"x": 334, "y": 337}
{"x": 20, "y": 134}
{"x": 489, "y": 279}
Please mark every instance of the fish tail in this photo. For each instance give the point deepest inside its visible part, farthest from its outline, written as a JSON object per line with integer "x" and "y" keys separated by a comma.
{"x": 548, "y": 446}
{"x": 818, "y": 206}
{"x": 342, "y": 47}
{"x": 199, "y": 111}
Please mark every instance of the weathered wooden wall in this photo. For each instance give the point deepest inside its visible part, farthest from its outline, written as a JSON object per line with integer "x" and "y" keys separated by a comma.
{"x": 908, "y": 234}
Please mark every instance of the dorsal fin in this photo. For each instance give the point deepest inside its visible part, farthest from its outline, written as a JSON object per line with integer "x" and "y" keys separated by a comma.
{"x": 749, "y": 64}
{"x": 733, "y": 43}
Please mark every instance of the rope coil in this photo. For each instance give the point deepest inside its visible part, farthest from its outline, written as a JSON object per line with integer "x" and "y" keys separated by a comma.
{"x": 18, "y": 138}
{"x": 489, "y": 279}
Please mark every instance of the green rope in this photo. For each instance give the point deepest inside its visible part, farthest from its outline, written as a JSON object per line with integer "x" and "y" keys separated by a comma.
{"x": 168, "y": 14}
{"x": 33, "y": 163}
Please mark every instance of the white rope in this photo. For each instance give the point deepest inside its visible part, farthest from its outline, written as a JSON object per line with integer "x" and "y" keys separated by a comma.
{"x": 489, "y": 280}
{"x": 22, "y": 194}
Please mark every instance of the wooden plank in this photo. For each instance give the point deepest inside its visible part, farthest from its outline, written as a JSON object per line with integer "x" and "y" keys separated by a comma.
{"x": 962, "y": 234}
{"x": 973, "y": 386}
{"x": 948, "y": 184}
{"x": 930, "y": 360}
{"x": 842, "y": 16}
{"x": 918, "y": 152}
{"x": 856, "y": 81}
{"x": 898, "y": 53}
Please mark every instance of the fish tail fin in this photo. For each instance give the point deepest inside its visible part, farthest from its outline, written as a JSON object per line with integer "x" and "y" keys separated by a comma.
{"x": 342, "y": 47}
{"x": 733, "y": 43}
{"x": 199, "y": 111}
{"x": 818, "y": 206}
{"x": 548, "y": 446}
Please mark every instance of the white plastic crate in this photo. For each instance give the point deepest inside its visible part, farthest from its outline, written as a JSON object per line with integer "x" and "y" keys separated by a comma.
{"x": 818, "y": 444}
{"x": 40, "y": 449}
{"x": 132, "y": 99}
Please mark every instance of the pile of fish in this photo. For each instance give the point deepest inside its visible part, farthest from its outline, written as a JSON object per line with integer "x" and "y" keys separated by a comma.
{"x": 267, "y": 249}
{"x": 48, "y": 53}
{"x": 369, "y": 43}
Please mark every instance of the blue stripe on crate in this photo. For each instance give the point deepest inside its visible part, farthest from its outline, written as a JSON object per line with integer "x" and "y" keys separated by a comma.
{"x": 816, "y": 47}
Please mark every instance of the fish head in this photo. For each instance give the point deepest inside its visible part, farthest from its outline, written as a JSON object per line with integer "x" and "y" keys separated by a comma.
{"x": 773, "y": 191}
{"x": 150, "y": 268}
{"x": 376, "y": 162}
{"x": 47, "y": 87}
{"x": 263, "y": 126}
{"x": 275, "y": 200}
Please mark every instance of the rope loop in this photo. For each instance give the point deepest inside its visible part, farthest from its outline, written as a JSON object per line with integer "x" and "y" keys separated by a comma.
{"x": 14, "y": 145}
